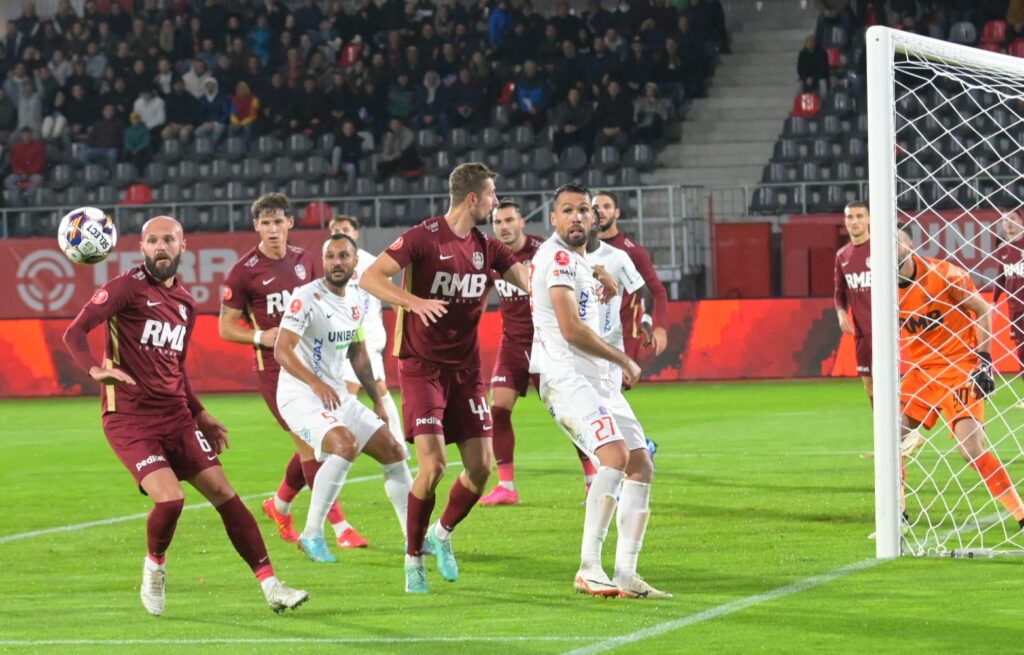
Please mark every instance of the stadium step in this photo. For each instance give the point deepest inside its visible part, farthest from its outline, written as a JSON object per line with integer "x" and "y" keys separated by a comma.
{"x": 699, "y": 132}
{"x": 740, "y": 111}
{"x": 704, "y": 175}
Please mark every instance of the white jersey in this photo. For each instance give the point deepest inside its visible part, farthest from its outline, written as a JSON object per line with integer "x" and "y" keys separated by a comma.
{"x": 557, "y": 265}
{"x": 327, "y": 324}
{"x": 373, "y": 319}
{"x": 623, "y": 271}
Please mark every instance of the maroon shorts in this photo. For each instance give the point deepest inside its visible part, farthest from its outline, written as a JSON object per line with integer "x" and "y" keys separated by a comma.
{"x": 146, "y": 443}
{"x": 268, "y": 388}
{"x": 863, "y": 347}
{"x": 443, "y": 400}
{"x": 512, "y": 367}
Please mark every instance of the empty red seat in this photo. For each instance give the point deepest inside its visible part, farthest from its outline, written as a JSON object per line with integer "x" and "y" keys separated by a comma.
{"x": 138, "y": 194}
{"x": 1017, "y": 48}
{"x": 994, "y": 31}
{"x": 991, "y": 47}
{"x": 806, "y": 105}
{"x": 835, "y": 58}
{"x": 316, "y": 214}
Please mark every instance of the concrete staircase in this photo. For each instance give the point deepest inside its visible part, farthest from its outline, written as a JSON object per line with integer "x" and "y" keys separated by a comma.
{"x": 727, "y": 138}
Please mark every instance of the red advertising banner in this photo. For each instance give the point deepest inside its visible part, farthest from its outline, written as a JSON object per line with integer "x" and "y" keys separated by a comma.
{"x": 47, "y": 285}
{"x": 707, "y": 340}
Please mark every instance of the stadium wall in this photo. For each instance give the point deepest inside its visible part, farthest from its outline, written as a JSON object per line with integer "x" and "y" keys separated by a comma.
{"x": 708, "y": 340}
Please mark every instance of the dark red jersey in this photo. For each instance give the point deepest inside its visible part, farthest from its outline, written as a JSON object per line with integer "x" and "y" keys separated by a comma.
{"x": 1011, "y": 276}
{"x": 261, "y": 288}
{"x": 442, "y": 266}
{"x": 853, "y": 285}
{"x": 629, "y": 313}
{"x": 148, "y": 328}
{"x": 513, "y": 302}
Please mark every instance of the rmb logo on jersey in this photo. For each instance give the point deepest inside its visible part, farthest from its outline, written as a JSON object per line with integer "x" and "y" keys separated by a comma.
{"x": 930, "y": 321}
{"x": 478, "y": 260}
{"x": 1014, "y": 270}
{"x": 300, "y": 271}
{"x": 858, "y": 280}
{"x": 163, "y": 335}
{"x": 452, "y": 284}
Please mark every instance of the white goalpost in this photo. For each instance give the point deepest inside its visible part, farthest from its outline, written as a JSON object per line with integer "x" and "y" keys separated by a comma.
{"x": 946, "y": 159}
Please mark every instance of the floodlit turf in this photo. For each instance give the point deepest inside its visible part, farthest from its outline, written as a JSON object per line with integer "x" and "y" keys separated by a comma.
{"x": 759, "y": 488}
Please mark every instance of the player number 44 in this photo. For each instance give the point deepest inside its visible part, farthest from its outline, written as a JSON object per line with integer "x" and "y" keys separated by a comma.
{"x": 479, "y": 407}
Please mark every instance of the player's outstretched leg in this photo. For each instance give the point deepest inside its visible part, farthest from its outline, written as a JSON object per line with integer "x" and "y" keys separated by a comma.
{"x": 325, "y": 489}
{"x": 970, "y": 437}
{"x": 346, "y": 535}
{"x": 278, "y": 507}
{"x": 631, "y": 521}
{"x": 160, "y": 525}
{"x": 591, "y": 578}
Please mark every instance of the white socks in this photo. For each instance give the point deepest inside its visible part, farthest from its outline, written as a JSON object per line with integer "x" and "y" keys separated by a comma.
{"x": 326, "y": 487}
{"x": 600, "y": 507}
{"x": 394, "y": 420}
{"x": 397, "y": 482}
{"x": 268, "y": 584}
{"x": 440, "y": 532}
{"x": 281, "y": 506}
{"x": 631, "y": 523}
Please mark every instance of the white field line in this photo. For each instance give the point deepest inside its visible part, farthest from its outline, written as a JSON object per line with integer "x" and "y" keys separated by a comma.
{"x": 723, "y": 610}
{"x": 34, "y": 643}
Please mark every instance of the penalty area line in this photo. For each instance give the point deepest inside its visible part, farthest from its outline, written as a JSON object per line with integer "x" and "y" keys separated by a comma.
{"x": 288, "y": 640}
{"x": 725, "y": 609}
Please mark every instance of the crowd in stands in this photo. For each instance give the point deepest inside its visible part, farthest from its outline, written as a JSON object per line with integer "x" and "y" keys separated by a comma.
{"x": 125, "y": 75}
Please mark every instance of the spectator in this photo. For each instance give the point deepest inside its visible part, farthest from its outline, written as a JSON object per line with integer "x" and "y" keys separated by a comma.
{"x": 60, "y": 67}
{"x": 531, "y": 97}
{"x": 226, "y": 74}
{"x": 15, "y": 78}
{"x": 372, "y": 108}
{"x": 141, "y": 39}
{"x": 447, "y": 63}
{"x": 549, "y": 52}
{"x": 617, "y": 46}
{"x": 432, "y": 103}
{"x": 81, "y": 113}
{"x": 79, "y": 75}
{"x": 627, "y": 20}
{"x": 95, "y": 60}
{"x": 138, "y": 79}
{"x": 402, "y": 98}
{"x": 28, "y": 22}
{"x": 106, "y": 40}
{"x": 30, "y": 107}
{"x": 120, "y": 97}
{"x": 275, "y": 109}
{"x": 708, "y": 18}
{"x": 245, "y": 109}
{"x": 572, "y": 122}
{"x": 182, "y": 113}
{"x": 308, "y": 112}
{"x": 468, "y": 100}
{"x": 163, "y": 81}
{"x": 533, "y": 25}
{"x": 8, "y": 116}
{"x": 120, "y": 22}
{"x": 398, "y": 151}
{"x": 601, "y": 64}
{"x": 196, "y": 78}
{"x": 812, "y": 66}
{"x": 348, "y": 150}
{"x": 136, "y": 142}
{"x": 105, "y": 136}
{"x": 674, "y": 78}
{"x": 597, "y": 19}
{"x": 308, "y": 16}
{"x": 650, "y": 111}
{"x": 570, "y": 69}
{"x": 55, "y": 123}
{"x": 46, "y": 86}
{"x": 13, "y": 43}
{"x": 151, "y": 108}
{"x": 28, "y": 159}
{"x": 613, "y": 118}
{"x": 566, "y": 23}
{"x": 515, "y": 50}
{"x": 636, "y": 69}
{"x": 214, "y": 112}
{"x": 499, "y": 24}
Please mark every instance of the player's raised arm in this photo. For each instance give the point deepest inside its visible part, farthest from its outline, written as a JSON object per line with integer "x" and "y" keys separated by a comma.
{"x": 575, "y": 331}
{"x": 376, "y": 280}
{"x": 519, "y": 276}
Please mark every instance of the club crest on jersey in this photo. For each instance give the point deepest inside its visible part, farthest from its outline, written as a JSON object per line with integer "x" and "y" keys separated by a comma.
{"x": 355, "y": 313}
{"x": 300, "y": 270}
{"x": 183, "y": 312}
{"x": 562, "y": 258}
{"x": 99, "y": 297}
{"x": 478, "y": 260}
{"x": 867, "y": 262}
{"x": 397, "y": 245}
{"x": 296, "y": 306}
{"x": 252, "y": 261}
{"x": 226, "y": 295}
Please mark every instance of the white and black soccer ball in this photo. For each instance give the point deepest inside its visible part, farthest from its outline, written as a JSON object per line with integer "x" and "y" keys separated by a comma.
{"x": 86, "y": 235}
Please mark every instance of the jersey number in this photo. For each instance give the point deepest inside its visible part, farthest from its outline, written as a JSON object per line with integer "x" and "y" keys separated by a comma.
{"x": 203, "y": 443}
{"x": 603, "y": 428}
{"x": 330, "y": 418}
{"x": 481, "y": 410}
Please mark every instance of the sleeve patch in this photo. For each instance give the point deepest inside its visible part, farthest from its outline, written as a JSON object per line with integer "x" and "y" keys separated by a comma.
{"x": 100, "y": 297}
{"x": 562, "y": 258}
{"x": 397, "y": 245}
{"x": 296, "y": 306}
{"x": 227, "y": 293}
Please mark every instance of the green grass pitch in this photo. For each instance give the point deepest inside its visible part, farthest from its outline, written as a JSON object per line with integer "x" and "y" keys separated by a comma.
{"x": 759, "y": 492}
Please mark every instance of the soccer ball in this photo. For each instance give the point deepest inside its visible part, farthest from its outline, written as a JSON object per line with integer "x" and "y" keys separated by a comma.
{"x": 86, "y": 235}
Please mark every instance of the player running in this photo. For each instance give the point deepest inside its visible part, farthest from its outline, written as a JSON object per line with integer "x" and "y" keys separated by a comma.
{"x": 945, "y": 330}
{"x": 257, "y": 290}
{"x": 511, "y": 377}
{"x": 153, "y": 420}
{"x": 1011, "y": 279}
{"x": 576, "y": 386}
{"x": 853, "y": 287}
{"x": 373, "y": 325}
{"x": 447, "y": 261}
{"x": 607, "y": 208}
{"x": 321, "y": 329}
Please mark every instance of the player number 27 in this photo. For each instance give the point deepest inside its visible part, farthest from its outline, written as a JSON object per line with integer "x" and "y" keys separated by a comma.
{"x": 603, "y": 428}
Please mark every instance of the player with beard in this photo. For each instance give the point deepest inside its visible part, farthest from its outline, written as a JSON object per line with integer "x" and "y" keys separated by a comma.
{"x": 1011, "y": 279}
{"x": 447, "y": 262}
{"x": 607, "y": 207}
{"x": 153, "y": 421}
{"x": 257, "y": 291}
{"x": 575, "y": 384}
{"x": 321, "y": 330}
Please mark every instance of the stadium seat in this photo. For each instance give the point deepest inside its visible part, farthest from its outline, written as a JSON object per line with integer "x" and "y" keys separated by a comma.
{"x": 831, "y": 126}
{"x": 298, "y": 145}
{"x": 775, "y": 173}
{"x": 628, "y": 176}
{"x": 994, "y": 32}
{"x": 963, "y": 33}
{"x": 61, "y": 176}
{"x": 396, "y": 186}
{"x": 810, "y": 171}
{"x": 796, "y": 127}
{"x": 432, "y": 184}
{"x": 764, "y": 201}
{"x": 835, "y": 37}
{"x": 202, "y": 192}
{"x": 220, "y": 171}
{"x": 427, "y": 141}
{"x": 558, "y": 178}
{"x": 170, "y": 151}
{"x": 234, "y": 148}
{"x": 491, "y": 139}
{"x": 820, "y": 150}
{"x": 333, "y": 188}
{"x": 93, "y": 175}
{"x": 325, "y": 144}
{"x": 640, "y": 157}
{"x": 41, "y": 196}
{"x": 252, "y": 169}
{"x": 106, "y": 195}
{"x": 594, "y": 178}
{"x": 155, "y": 174}
{"x": 839, "y": 102}
{"x": 365, "y": 187}
{"x": 606, "y": 158}
{"x": 501, "y": 116}
{"x": 479, "y": 154}
{"x": 203, "y": 149}
{"x": 187, "y": 172}
{"x": 528, "y": 181}
{"x": 523, "y": 138}
{"x": 283, "y": 168}
{"x": 786, "y": 150}
{"x": 266, "y": 147}
{"x": 14, "y": 198}
{"x": 1016, "y": 48}
{"x": 316, "y": 168}
{"x": 835, "y": 58}
{"x": 806, "y": 105}
{"x": 138, "y": 194}
{"x": 541, "y": 160}
{"x": 573, "y": 160}
{"x": 315, "y": 214}
{"x": 298, "y": 189}
{"x": 393, "y": 212}
{"x": 856, "y": 149}
{"x": 458, "y": 140}
{"x": 439, "y": 163}
{"x": 510, "y": 162}
{"x": 72, "y": 197}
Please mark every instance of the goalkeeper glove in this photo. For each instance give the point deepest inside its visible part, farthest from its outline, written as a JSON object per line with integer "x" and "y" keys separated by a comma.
{"x": 982, "y": 375}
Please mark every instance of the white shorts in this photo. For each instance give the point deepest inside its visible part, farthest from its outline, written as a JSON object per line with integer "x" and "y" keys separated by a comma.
{"x": 307, "y": 418}
{"x": 591, "y": 412}
{"x": 348, "y": 374}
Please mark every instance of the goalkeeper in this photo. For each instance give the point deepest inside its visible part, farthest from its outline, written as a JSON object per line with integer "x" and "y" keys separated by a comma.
{"x": 950, "y": 368}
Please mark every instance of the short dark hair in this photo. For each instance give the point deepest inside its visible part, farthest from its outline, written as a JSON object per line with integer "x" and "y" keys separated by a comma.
{"x": 858, "y": 203}
{"x": 271, "y": 202}
{"x": 344, "y": 218}
{"x": 602, "y": 192}
{"x": 468, "y": 178}
{"x": 569, "y": 187}
{"x": 508, "y": 202}
{"x": 339, "y": 236}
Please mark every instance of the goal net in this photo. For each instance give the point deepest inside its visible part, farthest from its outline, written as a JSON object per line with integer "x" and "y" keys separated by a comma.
{"x": 946, "y": 148}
